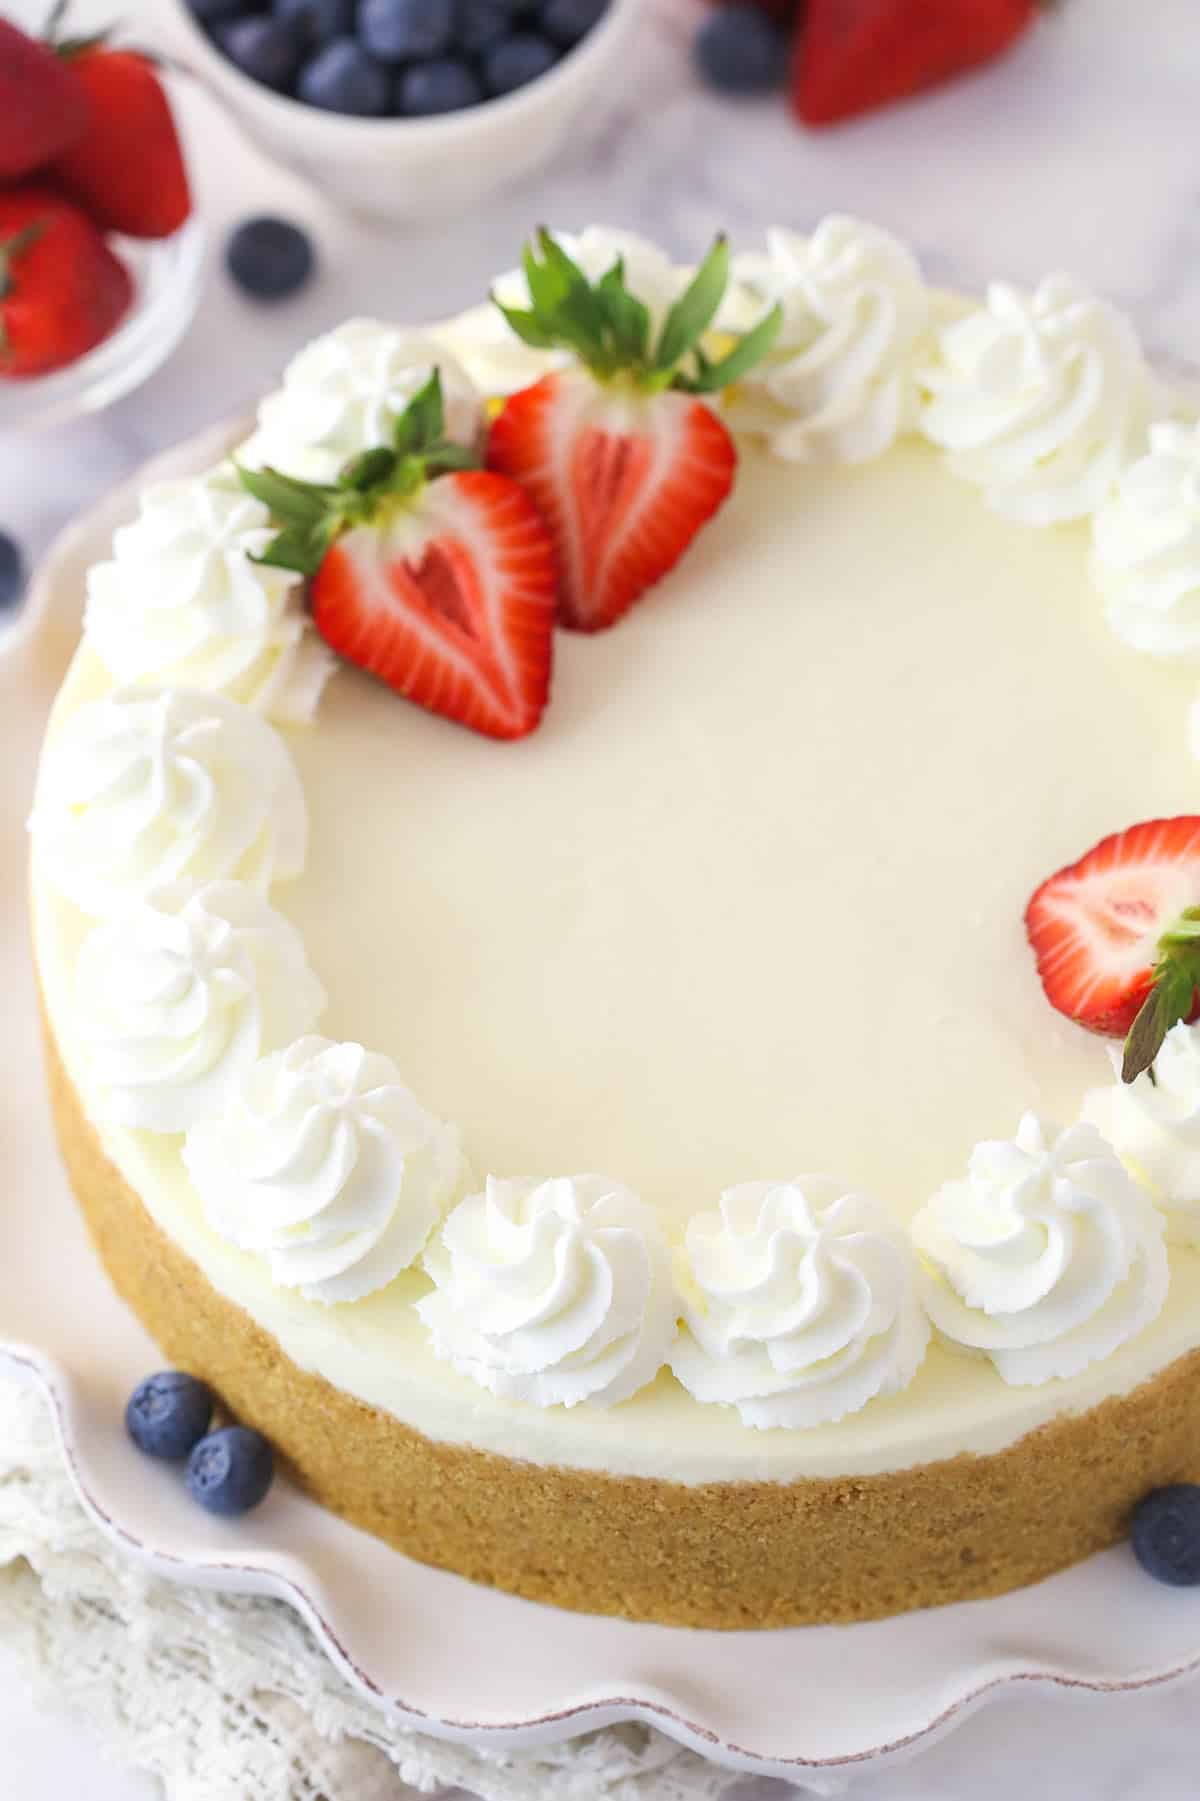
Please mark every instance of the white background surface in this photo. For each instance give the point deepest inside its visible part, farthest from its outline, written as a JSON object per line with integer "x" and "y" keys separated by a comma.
{"x": 1080, "y": 151}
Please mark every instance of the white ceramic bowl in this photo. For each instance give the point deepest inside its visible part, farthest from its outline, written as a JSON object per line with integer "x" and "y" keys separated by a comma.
{"x": 413, "y": 168}
{"x": 168, "y": 274}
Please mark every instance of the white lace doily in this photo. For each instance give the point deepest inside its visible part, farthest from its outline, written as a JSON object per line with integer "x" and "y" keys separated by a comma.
{"x": 229, "y": 1698}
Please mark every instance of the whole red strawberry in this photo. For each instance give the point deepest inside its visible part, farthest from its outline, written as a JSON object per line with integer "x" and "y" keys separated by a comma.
{"x": 61, "y": 288}
{"x": 427, "y": 571}
{"x": 623, "y": 458}
{"x": 855, "y": 55}
{"x": 43, "y": 109}
{"x": 127, "y": 168}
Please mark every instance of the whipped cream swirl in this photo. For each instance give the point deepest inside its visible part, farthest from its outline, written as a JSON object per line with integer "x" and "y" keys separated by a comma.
{"x": 148, "y": 787}
{"x": 1046, "y": 1258}
{"x": 344, "y": 392}
{"x": 1154, "y": 1126}
{"x": 800, "y": 1304}
{"x": 500, "y": 362}
{"x": 1146, "y": 546}
{"x": 1040, "y": 399}
{"x": 328, "y": 1167}
{"x": 177, "y": 998}
{"x": 552, "y": 1292}
{"x": 838, "y": 385}
{"x": 182, "y": 603}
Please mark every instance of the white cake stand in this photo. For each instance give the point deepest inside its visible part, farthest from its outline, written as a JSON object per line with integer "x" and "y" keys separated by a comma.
{"x": 450, "y": 1658}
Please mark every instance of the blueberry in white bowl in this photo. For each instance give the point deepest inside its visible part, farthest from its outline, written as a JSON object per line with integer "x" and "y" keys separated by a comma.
{"x": 402, "y": 31}
{"x": 267, "y": 49}
{"x": 446, "y": 84}
{"x": 431, "y": 135}
{"x": 315, "y": 22}
{"x": 402, "y": 59}
{"x": 215, "y": 12}
{"x": 565, "y": 22}
{"x": 343, "y": 78}
{"x": 517, "y": 60}
{"x": 478, "y": 24}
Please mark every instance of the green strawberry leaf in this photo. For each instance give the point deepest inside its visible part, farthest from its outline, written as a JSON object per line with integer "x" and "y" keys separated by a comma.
{"x": 368, "y": 469}
{"x": 446, "y": 458}
{"x": 423, "y": 421}
{"x": 299, "y": 547}
{"x": 311, "y": 515}
{"x": 529, "y": 327}
{"x": 696, "y": 308}
{"x": 736, "y": 363}
{"x": 627, "y": 318}
{"x": 1176, "y": 978}
{"x": 608, "y": 328}
{"x": 295, "y": 502}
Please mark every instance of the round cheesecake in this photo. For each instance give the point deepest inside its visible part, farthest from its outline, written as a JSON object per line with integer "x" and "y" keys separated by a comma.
{"x": 747, "y": 906}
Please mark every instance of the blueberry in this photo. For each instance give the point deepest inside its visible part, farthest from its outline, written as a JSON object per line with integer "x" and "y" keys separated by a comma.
{"x": 478, "y": 24}
{"x": 268, "y": 50}
{"x": 12, "y": 572}
{"x": 397, "y": 30}
{"x": 230, "y": 1471}
{"x": 342, "y": 78}
{"x": 168, "y": 1414}
{"x": 566, "y": 21}
{"x": 269, "y": 258}
{"x": 316, "y": 21}
{"x": 444, "y": 85}
{"x": 517, "y": 60}
{"x": 215, "y": 12}
{"x": 740, "y": 51}
{"x": 1166, "y": 1534}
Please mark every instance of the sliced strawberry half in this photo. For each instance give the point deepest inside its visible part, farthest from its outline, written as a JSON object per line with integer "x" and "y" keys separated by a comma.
{"x": 625, "y": 463}
{"x": 437, "y": 577}
{"x": 624, "y": 482}
{"x": 450, "y": 602}
{"x": 1117, "y": 936}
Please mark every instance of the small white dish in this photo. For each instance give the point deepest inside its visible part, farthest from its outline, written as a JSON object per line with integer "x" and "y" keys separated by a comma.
{"x": 810, "y": 1704}
{"x": 414, "y": 168}
{"x": 168, "y": 274}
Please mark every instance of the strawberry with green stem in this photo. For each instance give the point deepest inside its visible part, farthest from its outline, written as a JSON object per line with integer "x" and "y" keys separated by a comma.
{"x": 62, "y": 291}
{"x": 623, "y": 458}
{"x": 125, "y": 167}
{"x": 1117, "y": 937}
{"x": 427, "y": 571}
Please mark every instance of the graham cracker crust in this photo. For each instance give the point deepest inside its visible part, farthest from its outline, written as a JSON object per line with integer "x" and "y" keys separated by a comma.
{"x": 724, "y": 1555}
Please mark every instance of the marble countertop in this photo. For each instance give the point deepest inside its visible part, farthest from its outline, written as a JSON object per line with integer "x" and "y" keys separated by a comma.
{"x": 1077, "y": 152}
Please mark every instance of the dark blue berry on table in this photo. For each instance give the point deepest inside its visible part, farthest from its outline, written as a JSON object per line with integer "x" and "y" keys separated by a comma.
{"x": 741, "y": 51}
{"x": 316, "y": 21}
{"x": 342, "y": 78}
{"x": 12, "y": 573}
{"x": 398, "y": 31}
{"x": 566, "y": 21}
{"x": 269, "y": 258}
{"x": 168, "y": 1414}
{"x": 215, "y": 12}
{"x": 478, "y": 24}
{"x": 1166, "y": 1534}
{"x": 516, "y": 61}
{"x": 444, "y": 85}
{"x": 268, "y": 50}
{"x": 230, "y": 1471}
